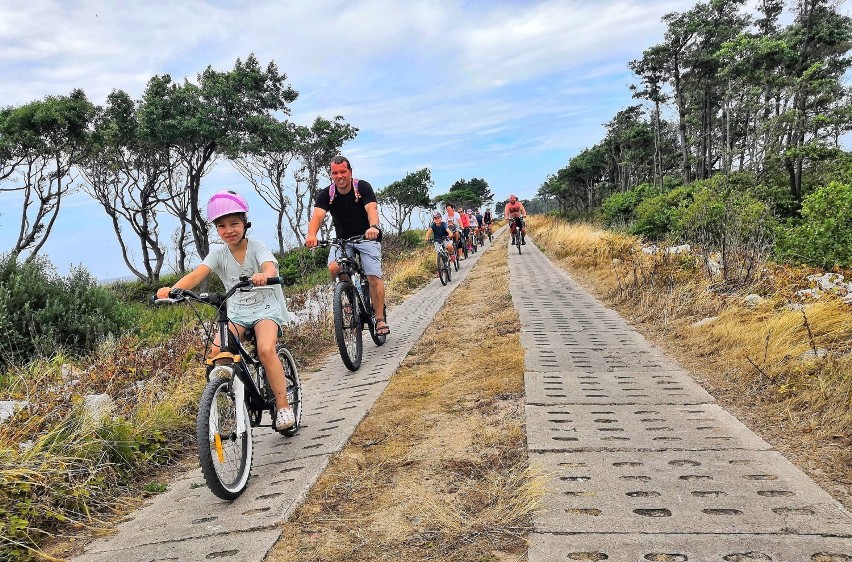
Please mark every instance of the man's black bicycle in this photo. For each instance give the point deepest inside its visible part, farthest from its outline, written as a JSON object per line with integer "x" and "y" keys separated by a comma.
{"x": 352, "y": 307}
{"x": 236, "y": 396}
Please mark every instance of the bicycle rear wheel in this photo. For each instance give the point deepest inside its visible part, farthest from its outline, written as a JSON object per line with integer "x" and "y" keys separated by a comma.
{"x": 448, "y": 269}
{"x": 225, "y": 456}
{"x": 347, "y": 325}
{"x": 294, "y": 387}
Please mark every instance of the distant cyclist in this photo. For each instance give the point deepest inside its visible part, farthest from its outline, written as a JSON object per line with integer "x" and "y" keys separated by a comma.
{"x": 515, "y": 210}
{"x": 453, "y": 220}
{"x": 465, "y": 224}
{"x": 475, "y": 220}
{"x": 440, "y": 234}
{"x": 487, "y": 219}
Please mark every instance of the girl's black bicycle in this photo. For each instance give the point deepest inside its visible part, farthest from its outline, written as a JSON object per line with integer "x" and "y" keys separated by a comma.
{"x": 352, "y": 307}
{"x": 235, "y": 398}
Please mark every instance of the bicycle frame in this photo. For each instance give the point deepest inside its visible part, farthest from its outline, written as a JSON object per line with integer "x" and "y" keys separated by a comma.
{"x": 351, "y": 268}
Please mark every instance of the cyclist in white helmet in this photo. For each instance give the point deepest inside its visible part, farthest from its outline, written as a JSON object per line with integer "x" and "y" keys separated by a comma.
{"x": 262, "y": 308}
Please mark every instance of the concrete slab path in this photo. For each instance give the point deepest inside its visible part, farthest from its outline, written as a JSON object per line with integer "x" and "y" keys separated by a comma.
{"x": 189, "y": 523}
{"x": 643, "y": 465}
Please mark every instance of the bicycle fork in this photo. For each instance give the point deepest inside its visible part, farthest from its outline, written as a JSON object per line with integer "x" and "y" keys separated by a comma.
{"x": 238, "y": 388}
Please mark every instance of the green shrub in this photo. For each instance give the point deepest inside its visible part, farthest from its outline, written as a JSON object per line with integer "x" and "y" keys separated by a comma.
{"x": 619, "y": 209}
{"x": 41, "y": 311}
{"x": 657, "y": 215}
{"x": 299, "y": 265}
{"x": 823, "y": 236}
{"x": 393, "y": 244}
{"x": 139, "y": 291}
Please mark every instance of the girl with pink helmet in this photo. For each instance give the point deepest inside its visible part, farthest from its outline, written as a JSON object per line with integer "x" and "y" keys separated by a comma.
{"x": 263, "y": 308}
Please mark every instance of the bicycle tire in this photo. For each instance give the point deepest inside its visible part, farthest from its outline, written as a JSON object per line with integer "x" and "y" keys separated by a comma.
{"x": 456, "y": 260}
{"x": 518, "y": 241}
{"x": 464, "y": 248}
{"x": 442, "y": 274}
{"x": 225, "y": 465}
{"x": 448, "y": 269}
{"x": 294, "y": 387}
{"x": 347, "y": 326}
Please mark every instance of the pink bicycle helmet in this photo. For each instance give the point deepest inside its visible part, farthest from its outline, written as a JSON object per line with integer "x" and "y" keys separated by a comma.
{"x": 225, "y": 202}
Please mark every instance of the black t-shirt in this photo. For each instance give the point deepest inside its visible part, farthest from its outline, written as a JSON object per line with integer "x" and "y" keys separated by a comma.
{"x": 349, "y": 216}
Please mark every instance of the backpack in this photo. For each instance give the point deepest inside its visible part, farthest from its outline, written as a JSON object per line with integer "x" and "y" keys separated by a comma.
{"x": 332, "y": 191}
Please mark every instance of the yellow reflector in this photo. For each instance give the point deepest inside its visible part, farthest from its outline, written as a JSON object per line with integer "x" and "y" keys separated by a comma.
{"x": 219, "y": 452}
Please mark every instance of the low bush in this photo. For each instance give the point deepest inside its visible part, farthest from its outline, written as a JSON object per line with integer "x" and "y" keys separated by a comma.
{"x": 619, "y": 209}
{"x": 657, "y": 215}
{"x": 300, "y": 265}
{"x": 41, "y": 311}
{"x": 732, "y": 223}
{"x": 823, "y": 236}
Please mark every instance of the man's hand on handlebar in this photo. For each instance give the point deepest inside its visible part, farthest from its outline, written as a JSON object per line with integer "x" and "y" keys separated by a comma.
{"x": 311, "y": 241}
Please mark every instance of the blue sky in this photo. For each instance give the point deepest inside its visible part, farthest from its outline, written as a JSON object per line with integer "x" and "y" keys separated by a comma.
{"x": 504, "y": 90}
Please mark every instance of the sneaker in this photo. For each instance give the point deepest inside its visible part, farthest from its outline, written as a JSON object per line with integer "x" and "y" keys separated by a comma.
{"x": 284, "y": 419}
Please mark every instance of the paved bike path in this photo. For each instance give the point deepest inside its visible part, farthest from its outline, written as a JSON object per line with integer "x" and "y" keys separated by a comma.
{"x": 189, "y": 523}
{"x": 642, "y": 463}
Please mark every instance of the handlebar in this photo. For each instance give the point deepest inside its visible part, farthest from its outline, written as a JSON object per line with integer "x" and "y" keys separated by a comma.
{"x": 180, "y": 295}
{"x": 339, "y": 241}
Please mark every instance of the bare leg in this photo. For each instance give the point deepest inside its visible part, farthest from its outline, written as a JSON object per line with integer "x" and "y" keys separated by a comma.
{"x": 377, "y": 295}
{"x": 266, "y": 334}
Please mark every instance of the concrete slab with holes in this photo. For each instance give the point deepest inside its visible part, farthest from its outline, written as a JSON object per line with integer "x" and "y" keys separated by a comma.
{"x": 189, "y": 523}
{"x": 641, "y": 463}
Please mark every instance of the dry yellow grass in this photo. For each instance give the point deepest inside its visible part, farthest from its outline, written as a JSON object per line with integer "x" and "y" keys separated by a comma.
{"x": 438, "y": 469}
{"x": 759, "y": 360}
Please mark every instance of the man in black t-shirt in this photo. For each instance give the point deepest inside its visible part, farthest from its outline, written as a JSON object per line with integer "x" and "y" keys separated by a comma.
{"x": 354, "y": 211}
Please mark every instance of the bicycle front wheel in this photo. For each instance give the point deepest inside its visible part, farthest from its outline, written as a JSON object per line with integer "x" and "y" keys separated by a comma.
{"x": 442, "y": 271}
{"x": 347, "y": 325}
{"x": 224, "y": 453}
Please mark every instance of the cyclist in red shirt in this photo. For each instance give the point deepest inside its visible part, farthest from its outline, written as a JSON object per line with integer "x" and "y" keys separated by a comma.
{"x": 515, "y": 212}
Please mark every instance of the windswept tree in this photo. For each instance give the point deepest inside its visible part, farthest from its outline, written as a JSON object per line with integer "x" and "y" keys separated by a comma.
{"x": 131, "y": 177}
{"x": 317, "y": 145}
{"x": 41, "y": 142}
{"x": 399, "y": 199}
{"x": 467, "y": 193}
{"x": 820, "y": 103}
{"x": 201, "y": 122}
{"x": 265, "y": 163}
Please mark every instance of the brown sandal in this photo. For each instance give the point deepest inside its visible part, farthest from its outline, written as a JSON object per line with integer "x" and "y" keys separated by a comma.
{"x": 382, "y": 330}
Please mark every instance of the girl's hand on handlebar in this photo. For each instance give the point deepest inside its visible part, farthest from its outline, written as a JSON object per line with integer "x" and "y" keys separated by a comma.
{"x": 259, "y": 279}
{"x": 163, "y": 292}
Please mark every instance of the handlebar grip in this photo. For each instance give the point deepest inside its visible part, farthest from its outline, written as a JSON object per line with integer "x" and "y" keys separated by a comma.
{"x": 274, "y": 281}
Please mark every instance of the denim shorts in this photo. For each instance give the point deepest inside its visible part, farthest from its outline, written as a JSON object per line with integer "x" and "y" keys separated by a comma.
{"x": 371, "y": 256}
